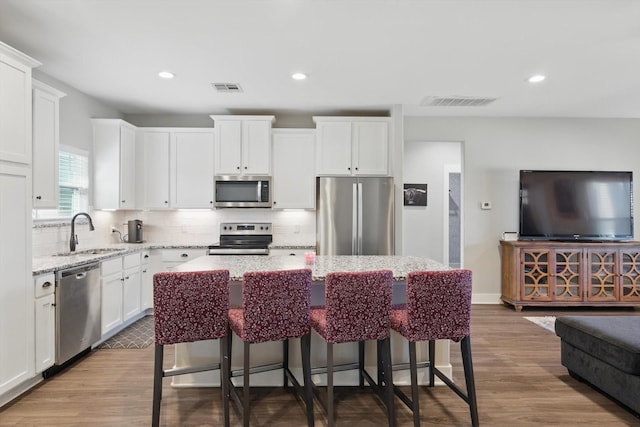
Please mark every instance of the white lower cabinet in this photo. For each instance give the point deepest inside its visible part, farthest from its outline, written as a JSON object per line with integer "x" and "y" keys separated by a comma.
{"x": 120, "y": 281}
{"x": 146, "y": 281}
{"x": 291, "y": 252}
{"x": 171, "y": 258}
{"x": 45, "y": 322}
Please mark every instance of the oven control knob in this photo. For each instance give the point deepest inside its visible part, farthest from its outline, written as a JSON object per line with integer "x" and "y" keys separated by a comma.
{"x": 266, "y": 227}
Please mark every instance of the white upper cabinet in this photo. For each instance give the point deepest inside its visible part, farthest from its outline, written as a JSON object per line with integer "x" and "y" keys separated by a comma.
{"x": 175, "y": 168}
{"x": 46, "y": 140}
{"x": 243, "y": 145}
{"x": 155, "y": 167}
{"x": 15, "y": 105}
{"x": 352, "y": 146}
{"x": 192, "y": 168}
{"x": 17, "y": 317}
{"x": 293, "y": 168}
{"x": 114, "y": 147}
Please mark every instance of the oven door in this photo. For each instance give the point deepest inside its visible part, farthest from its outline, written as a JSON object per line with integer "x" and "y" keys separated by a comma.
{"x": 242, "y": 192}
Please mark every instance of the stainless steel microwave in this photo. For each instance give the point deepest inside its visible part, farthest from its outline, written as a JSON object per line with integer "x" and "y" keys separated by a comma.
{"x": 242, "y": 191}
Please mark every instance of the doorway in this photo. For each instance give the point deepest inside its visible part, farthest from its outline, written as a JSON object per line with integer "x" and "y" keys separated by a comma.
{"x": 452, "y": 217}
{"x": 435, "y": 230}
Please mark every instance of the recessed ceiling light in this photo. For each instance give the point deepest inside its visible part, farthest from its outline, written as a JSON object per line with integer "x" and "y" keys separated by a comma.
{"x": 298, "y": 76}
{"x": 166, "y": 75}
{"x": 536, "y": 78}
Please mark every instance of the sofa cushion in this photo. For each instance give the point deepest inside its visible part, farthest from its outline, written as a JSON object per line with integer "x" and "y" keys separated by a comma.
{"x": 612, "y": 339}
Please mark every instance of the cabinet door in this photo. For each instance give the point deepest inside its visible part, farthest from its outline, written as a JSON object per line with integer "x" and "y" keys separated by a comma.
{"x": 601, "y": 275}
{"x": 16, "y": 289}
{"x": 192, "y": 170}
{"x": 256, "y": 147}
{"x": 45, "y": 149}
{"x": 127, "y": 168}
{"x": 333, "y": 149}
{"x": 629, "y": 275}
{"x": 131, "y": 293}
{"x": 146, "y": 286}
{"x": 45, "y": 332}
{"x": 370, "y": 148}
{"x": 567, "y": 274}
{"x": 15, "y": 111}
{"x": 156, "y": 169}
{"x": 228, "y": 147}
{"x": 293, "y": 170}
{"x": 111, "y": 302}
{"x": 535, "y": 278}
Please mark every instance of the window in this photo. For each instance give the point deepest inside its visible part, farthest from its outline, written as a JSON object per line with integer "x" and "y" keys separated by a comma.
{"x": 73, "y": 185}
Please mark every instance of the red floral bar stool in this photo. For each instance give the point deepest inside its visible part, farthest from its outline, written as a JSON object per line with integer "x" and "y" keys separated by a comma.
{"x": 275, "y": 307}
{"x": 189, "y": 307}
{"x": 438, "y": 307}
{"x": 357, "y": 309}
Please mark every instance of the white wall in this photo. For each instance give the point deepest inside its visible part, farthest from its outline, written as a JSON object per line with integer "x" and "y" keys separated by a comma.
{"x": 494, "y": 152}
{"x": 423, "y": 225}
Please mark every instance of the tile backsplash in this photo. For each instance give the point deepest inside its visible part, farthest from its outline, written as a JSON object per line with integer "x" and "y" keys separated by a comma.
{"x": 175, "y": 227}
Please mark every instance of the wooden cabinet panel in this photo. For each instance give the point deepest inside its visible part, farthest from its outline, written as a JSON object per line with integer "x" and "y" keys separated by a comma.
{"x": 568, "y": 274}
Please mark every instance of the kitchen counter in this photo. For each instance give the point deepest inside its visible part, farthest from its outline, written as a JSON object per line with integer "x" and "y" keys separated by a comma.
{"x": 271, "y": 352}
{"x": 50, "y": 263}
{"x": 238, "y": 265}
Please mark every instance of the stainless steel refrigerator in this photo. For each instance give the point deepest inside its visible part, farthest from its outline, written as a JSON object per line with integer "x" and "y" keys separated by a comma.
{"x": 354, "y": 216}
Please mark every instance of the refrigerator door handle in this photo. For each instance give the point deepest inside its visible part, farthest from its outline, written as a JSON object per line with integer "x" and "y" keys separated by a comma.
{"x": 360, "y": 209}
{"x": 354, "y": 221}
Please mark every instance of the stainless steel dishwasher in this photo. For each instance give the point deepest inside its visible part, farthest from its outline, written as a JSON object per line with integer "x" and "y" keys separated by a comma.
{"x": 78, "y": 310}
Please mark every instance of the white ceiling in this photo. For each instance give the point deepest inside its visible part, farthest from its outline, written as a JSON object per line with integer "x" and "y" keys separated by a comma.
{"x": 360, "y": 55}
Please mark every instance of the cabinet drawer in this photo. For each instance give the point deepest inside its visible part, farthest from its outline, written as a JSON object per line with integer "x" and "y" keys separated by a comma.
{"x": 44, "y": 285}
{"x": 181, "y": 255}
{"x": 131, "y": 260}
{"x": 111, "y": 266}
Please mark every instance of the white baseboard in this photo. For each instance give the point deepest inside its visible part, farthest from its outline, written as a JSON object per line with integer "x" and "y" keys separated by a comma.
{"x": 485, "y": 299}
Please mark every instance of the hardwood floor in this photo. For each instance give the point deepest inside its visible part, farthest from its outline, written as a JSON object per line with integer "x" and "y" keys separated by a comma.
{"x": 519, "y": 381}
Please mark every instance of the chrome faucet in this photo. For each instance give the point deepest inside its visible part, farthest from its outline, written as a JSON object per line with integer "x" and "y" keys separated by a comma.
{"x": 74, "y": 238}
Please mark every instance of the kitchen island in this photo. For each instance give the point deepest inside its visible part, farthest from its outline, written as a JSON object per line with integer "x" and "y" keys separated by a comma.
{"x": 267, "y": 353}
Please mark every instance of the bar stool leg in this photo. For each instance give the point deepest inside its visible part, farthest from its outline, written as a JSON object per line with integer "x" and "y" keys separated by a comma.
{"x": 157, "y": 384}
{"x": 360, "y": 363}
{"x": 465, "y": 347}
{"x": 305, "y": 349}
{"x": 413, "y": 364}
{"x": 224, "y": 385}
{"x": 388, "y": 379}
{"x": 285, "y": 363}
{"x": 246, "y": 398}
{"x": 330, "y": 409}
{"x": 432, "y": 363}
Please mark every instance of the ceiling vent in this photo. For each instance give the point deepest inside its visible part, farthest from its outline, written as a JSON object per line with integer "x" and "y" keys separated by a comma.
{"x": 227, "y": 87}
{"x": 456, "y": 101}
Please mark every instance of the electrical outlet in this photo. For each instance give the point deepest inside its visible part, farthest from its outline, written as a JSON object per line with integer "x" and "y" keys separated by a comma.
{"x": 114, "y": 229}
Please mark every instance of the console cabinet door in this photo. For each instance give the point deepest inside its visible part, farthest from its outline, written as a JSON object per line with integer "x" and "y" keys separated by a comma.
{"x": 629, "y": 275}
{"x": 567, "y": 274}
{"x": 130, "y": 293}
{"x": 111, "y": 302}
{"x": 15, "y": 110}
{"x": 602, "y": 274}
{"x": 535, "y": 280}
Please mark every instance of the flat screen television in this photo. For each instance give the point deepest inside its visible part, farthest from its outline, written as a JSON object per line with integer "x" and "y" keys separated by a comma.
{"x": 576, "y": 205}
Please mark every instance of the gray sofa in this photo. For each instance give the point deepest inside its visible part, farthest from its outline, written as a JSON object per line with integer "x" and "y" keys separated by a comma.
{"x": 604, "y": 351}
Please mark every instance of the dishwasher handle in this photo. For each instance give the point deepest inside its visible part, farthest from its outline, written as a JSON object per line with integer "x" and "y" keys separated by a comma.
{"x": 79, "y": 272}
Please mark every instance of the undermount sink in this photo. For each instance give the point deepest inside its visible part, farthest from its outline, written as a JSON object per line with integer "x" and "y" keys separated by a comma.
{"x": 100, "y": 251}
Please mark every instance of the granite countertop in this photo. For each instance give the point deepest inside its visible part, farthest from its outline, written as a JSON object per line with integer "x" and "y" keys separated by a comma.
{"x": 238, "y": 265}
{"x": 309, "y": 246}
{"x": 51, "y": 263}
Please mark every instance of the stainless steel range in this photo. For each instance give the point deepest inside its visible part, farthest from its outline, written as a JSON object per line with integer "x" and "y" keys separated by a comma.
{"x": 243, "y": 238}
